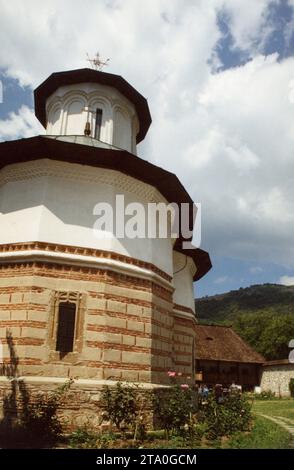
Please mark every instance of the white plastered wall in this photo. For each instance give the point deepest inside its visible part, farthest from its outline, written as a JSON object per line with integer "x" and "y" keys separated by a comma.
{"x": 70, "y": 107}
{"x": 51, "y": 201}
{"x": 184, "y": 269}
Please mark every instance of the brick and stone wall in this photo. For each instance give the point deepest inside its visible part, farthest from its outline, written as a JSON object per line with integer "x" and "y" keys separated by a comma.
{"x": 127, "y": 328}
{"x": 125, "y": 324}
{"x": 184, "y": 342}
{"x": 276, "y": 376}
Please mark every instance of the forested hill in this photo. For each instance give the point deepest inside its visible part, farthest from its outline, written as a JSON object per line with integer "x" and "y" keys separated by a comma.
{"x": 270, "y": 297}
{"x": 262, "y": 314}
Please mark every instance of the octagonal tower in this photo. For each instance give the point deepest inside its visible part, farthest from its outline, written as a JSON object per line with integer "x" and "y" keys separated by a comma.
{"x": 74, "y": 304}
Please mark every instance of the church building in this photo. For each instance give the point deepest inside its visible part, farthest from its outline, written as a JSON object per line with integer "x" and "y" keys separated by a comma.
{"x": 74, "y": 304}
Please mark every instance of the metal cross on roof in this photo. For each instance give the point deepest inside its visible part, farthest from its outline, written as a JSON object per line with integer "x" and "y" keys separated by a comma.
{"x": 97, "y": 63}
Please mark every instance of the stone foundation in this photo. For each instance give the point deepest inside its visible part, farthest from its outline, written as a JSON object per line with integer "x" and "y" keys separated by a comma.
{"x": 80, "y": 405}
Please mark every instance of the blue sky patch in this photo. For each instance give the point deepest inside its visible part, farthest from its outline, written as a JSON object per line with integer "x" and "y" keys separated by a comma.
{"x": 14, "y": 96}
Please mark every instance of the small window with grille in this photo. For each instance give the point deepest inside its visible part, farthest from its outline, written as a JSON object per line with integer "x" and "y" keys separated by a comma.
{"x": 66, "y": 327}
{"x": 98, "y": 123}
{"x": 66, "y": 324}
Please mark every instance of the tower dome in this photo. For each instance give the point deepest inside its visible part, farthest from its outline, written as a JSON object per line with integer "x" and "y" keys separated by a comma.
{"x": 95, "y": 104}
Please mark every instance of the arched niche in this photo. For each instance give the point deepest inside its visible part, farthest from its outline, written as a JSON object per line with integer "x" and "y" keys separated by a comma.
{"x": 75, "y": 122}
{"x": 122, "y": 130}
{"x": 54, "y": 120}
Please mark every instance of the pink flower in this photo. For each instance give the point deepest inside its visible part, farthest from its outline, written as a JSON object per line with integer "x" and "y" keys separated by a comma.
{"x": 171, "y": 373}
{"x": 184, "y": 386}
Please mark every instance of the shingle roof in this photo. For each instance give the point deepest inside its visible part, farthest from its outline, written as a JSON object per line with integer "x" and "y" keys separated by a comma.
{"x": 221, "y": 343}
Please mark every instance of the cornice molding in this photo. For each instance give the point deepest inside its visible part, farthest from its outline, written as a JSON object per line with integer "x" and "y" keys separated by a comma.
{"x": 184, "y": 312}
{"x": 79, "y": 173}
{"x": 88, "y": 383}
{"x": 87, "y": 257}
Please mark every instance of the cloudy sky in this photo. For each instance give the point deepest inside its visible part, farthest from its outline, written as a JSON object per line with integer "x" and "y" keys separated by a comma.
{"x": 219, "y": 78}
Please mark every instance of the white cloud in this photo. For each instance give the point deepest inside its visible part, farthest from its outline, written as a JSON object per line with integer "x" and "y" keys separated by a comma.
{"x": 20, "y": 124}
{"x": 234, "y": 151}
{"x": 250, "y": 24}
{"x": 221, "y": 279}
{"x": 256, "y": 270}
{"x": 229, "y": 135}
{"x": 161, "y": 39}
{"x": 287, "y": 280}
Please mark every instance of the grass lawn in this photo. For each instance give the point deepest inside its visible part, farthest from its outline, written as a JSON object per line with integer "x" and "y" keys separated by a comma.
{"x": 264, "y": 435}
{"x": 283, "y": 407}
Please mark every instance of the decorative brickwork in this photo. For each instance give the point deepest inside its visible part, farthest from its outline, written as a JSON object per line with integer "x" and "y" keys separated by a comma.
{"x": 74, "y": 250}
{"x": 126, "y": 331}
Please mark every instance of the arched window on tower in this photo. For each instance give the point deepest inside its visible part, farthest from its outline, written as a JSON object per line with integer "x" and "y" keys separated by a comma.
{"x": 98, "y": 123}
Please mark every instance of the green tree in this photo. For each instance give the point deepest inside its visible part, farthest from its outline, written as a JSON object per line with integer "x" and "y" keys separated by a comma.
{"x": 267, "y": 333}
{"x": 275, "y": 338}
